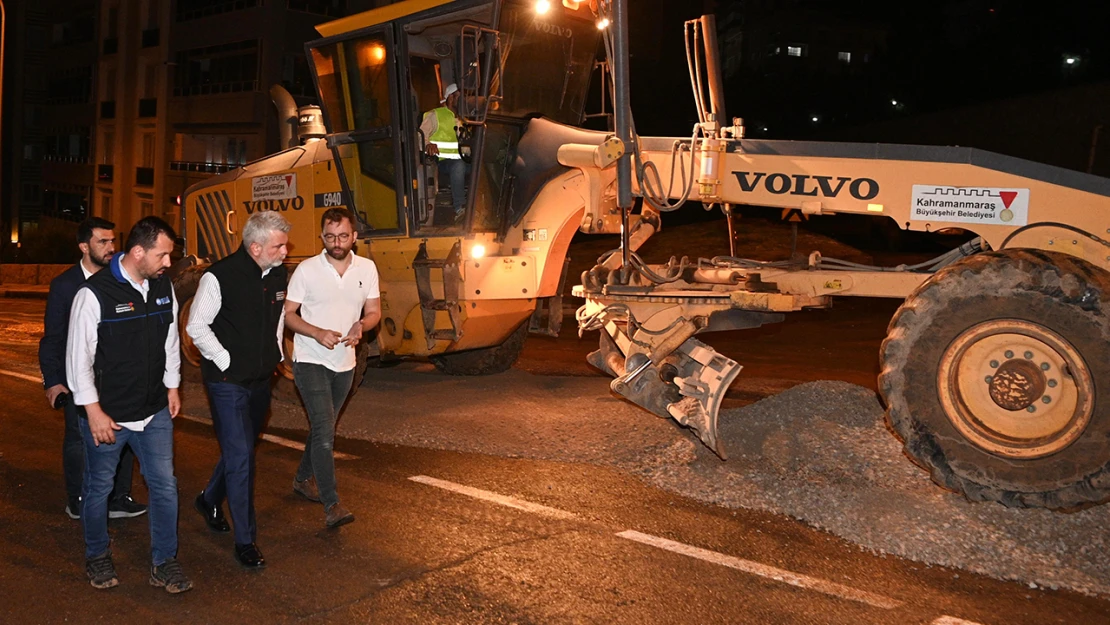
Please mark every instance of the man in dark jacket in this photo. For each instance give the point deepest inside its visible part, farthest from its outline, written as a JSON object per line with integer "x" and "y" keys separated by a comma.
{"x": 236, "y": 322}
{"x": 97, "y": 243}
{"x": 124, "y": 368}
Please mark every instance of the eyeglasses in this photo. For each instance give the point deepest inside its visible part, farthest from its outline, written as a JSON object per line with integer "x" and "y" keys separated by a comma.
{"x": 342, "y": 237}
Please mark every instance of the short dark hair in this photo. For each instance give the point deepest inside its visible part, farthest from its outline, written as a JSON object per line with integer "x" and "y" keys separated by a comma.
{"x": 336, "y": 215}
{"x": 85, "y": 228}
{"x": 145, "y": 233}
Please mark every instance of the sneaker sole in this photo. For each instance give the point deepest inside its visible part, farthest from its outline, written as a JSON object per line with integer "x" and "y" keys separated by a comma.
{"x": 173, "y": 590}
{"x": 123, "y": 514}
{"x": 112, "y": 583}
{"x": 344, "y": 521}
{"x": 75, "y": 517}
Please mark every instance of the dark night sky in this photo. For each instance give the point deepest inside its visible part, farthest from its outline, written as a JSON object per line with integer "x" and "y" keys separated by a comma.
{"x": 940, "y": 54}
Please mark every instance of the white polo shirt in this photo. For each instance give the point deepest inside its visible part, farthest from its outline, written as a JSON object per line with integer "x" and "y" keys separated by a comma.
{"x": 332, "y": 302}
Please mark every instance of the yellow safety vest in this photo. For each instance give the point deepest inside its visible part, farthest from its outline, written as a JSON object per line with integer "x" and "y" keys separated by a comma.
{"x": 445, "y": 137}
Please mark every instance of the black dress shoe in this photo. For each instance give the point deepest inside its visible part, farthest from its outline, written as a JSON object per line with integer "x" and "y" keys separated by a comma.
{"x": 213, "y": 516}
{"x": 249, "y": 557}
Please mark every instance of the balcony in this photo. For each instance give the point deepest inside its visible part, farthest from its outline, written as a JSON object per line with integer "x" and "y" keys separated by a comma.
{"x": 144, "y": 176}
{"x": 110, "y": 46}
{"x": 108, "y": 110}
{"x": 151, "y": 38}
{"x": 202, "y": 168}
{"x": 103, "y": 173}
{"x": 148, "y": 107}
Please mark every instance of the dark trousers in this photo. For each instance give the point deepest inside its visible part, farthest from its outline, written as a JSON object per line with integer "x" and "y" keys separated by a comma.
{"x": 238, "y": 413}
{"x": 323, "y": 392}
{"x": 73, "y": 460}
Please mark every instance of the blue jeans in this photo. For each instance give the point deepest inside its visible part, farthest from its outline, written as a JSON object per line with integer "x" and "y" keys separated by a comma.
{"x": 238, "y": 413}
{"x": 154, "y": 448}
{"x": 323, "y": 392}
{"x": 73, "y": 459}
{"x": 454, "y": 170}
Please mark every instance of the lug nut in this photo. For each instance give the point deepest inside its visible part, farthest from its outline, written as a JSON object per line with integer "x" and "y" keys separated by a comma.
{"x": 1009, "y": 353}
{"x": 1046, "y": 399}
{"x": 1029, "y": 355}
{"x": 994, "y": 364}
{"x": 1044, "y": 366}
{"x": 1052, "y": 384}
{"x": 1031, "y": 409}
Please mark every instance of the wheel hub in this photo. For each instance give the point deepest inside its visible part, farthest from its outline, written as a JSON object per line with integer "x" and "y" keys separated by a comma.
{"x": 1017, "y": 384}
{"x": 1015, "y": 389}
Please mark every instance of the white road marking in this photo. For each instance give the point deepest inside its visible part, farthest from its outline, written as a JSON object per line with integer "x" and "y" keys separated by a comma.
{"x": 22, "y": 376}
{"x": 762, "y": 570}
{"x": 486, "y": 495}
{"x": 277, "y": 440}
{"x": 951, "y": 620}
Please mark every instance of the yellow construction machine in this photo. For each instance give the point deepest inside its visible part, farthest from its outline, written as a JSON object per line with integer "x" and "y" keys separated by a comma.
{"x": 995, "y": 371}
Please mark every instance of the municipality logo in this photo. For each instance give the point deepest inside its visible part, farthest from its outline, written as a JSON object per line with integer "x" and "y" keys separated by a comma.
{"x": 162, "y": 301}
{"x": 125, "y": 308}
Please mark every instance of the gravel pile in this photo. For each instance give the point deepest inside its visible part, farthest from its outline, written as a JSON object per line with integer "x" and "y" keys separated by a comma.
{"x": 820, "y": 452}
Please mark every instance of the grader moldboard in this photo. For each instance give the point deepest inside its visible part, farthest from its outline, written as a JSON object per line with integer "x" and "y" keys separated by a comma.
{"x": 996, "y": 368}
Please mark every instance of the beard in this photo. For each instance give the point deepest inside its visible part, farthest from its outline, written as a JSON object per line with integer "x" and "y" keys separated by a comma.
{"x": 101, "y": 261}
{"x": 338, "y": 252}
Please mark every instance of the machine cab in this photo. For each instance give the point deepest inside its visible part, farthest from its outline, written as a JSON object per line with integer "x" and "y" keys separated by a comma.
{"x": 382, "y": 74}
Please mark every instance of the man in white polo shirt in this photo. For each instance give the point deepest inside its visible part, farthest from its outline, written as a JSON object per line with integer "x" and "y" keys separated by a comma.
{"x": 331, "y": 301}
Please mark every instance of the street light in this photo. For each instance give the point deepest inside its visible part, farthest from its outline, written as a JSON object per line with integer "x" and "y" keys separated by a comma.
{"x": 543, "y": 6}
{"x": 603, "y": 23}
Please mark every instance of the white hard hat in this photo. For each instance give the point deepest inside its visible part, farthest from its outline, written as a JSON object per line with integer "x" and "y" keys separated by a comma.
{"x": 451, "y": 88}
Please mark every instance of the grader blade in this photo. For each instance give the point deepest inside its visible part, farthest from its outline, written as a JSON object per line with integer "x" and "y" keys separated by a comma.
{"x": 708, "y": 376}
{"x": 688, "y": 387}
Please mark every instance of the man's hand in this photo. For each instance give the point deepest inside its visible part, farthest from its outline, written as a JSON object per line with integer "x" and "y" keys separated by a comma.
{"x": 175, "y": 401}
{"x": 431, "y": 149}
{"x": 102, "y": 427}
{"x": 354, "y": 337}
{"x": 327, "y": 338}
{"x": 53, "y": 392}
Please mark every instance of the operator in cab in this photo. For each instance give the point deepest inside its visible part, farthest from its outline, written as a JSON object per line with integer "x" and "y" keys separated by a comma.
{"x": 440, "y": 128}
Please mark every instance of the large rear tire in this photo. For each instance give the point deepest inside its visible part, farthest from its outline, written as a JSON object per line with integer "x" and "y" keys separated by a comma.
{"x": 185, "y": 287}
{"x": 996, "y": 376}
{"x": 486, "y": 360}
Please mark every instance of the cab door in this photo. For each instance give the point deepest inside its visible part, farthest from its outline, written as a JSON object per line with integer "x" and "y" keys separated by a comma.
{"x": 356, "y": 78}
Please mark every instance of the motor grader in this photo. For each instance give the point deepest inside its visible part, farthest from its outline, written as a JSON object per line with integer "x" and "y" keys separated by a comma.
{"x": 995, "y": 370}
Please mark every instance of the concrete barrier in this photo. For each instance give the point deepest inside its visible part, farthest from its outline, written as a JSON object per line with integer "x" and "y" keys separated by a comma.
{"x": 30, "y": 274}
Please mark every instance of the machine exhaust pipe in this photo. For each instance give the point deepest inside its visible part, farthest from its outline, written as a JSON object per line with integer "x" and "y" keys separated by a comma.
{"x": 287, "y": 116}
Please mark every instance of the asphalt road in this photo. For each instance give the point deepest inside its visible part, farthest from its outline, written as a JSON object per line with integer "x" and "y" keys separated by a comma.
{"x": 445, "y": 537}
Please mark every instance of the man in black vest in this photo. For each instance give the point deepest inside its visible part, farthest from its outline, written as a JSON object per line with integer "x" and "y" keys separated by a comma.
{"x": 97, "y": 243}
{"x": 236, "y": 322}
{"x": 124, "y": 368}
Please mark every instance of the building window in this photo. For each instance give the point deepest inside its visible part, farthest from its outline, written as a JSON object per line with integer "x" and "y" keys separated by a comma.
{"x": 194, "y": 9}
{"x": 296, "y": 77}
{"x": 329, "y": 8}
{"x": 107, "y": 147}
{"x": 72, "y": 86}
{"x": 68, "y": 146}
{"x": 32, "y": 194}
{"x": 148, "y": 147}
{"x": 76, "y": 30}
{"x": 106, "y": 207}
{"x": 208, "y": 153}
{"x": 844, "y": 57}
{"x": 226, "y": 68}
{"x": 147, "y": 208}
{"x": 794, "y": 50}
{"x": 108, "y": 88}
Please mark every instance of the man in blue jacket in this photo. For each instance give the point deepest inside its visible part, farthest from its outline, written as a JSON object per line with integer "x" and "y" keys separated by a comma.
{"x": 97, "y": 242}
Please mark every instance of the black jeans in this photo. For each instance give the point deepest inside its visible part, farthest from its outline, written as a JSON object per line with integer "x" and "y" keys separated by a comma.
{"x": 323, "y": 392}
{"x": 73, "y": 460}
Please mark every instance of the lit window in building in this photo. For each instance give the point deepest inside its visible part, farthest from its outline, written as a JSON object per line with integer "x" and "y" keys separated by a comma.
{"x": 794, "y": 50}
{"x": 844, "y": 57}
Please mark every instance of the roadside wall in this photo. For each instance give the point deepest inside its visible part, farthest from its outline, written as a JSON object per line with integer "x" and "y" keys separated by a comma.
{"x": 30, "y": 274}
